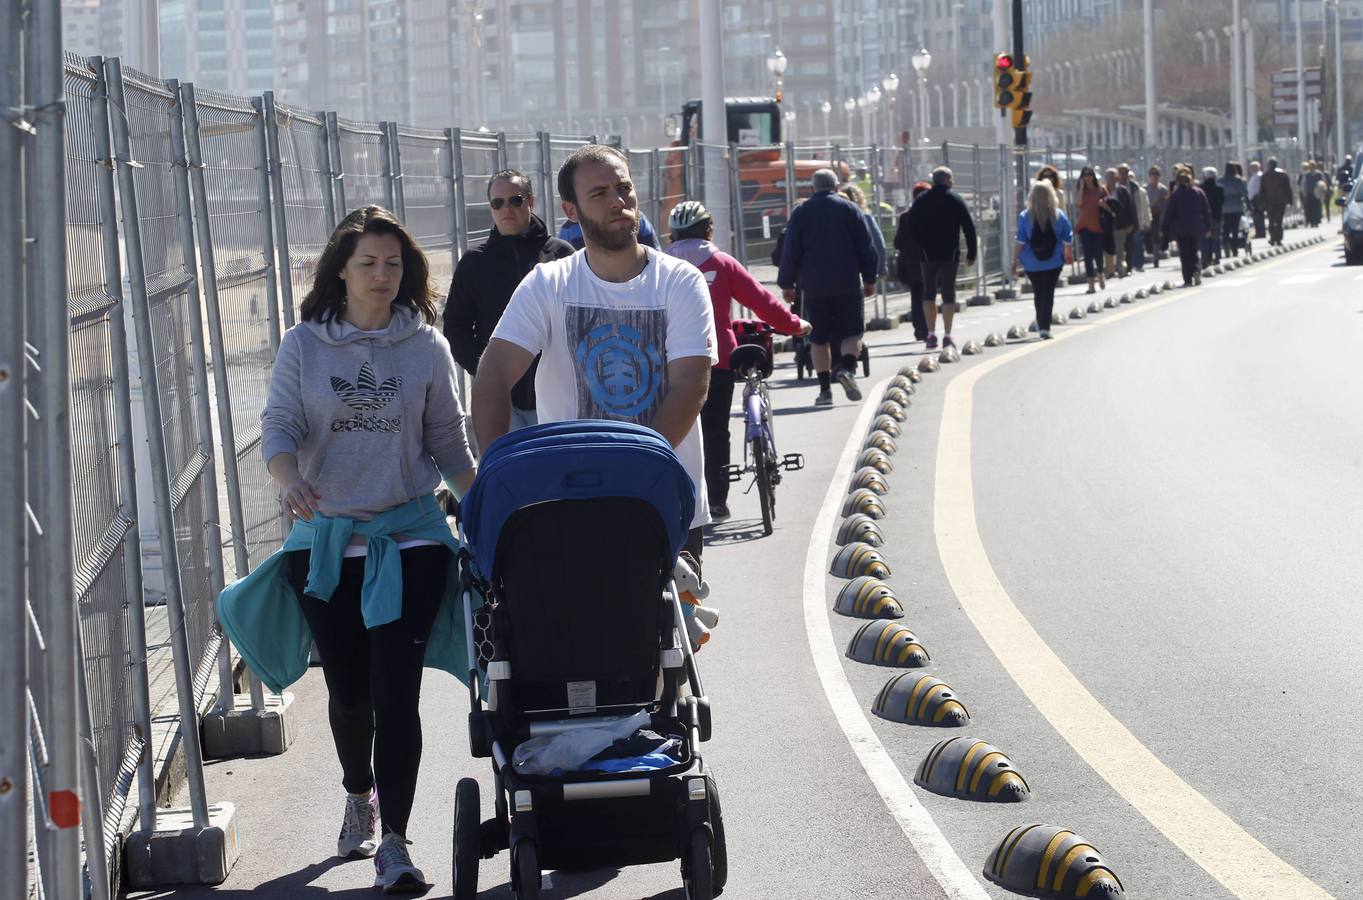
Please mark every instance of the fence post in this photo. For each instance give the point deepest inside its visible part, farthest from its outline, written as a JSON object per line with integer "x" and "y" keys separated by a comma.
{"x": 1005, "y": 171}
{"x": 226, "y": 428}
{"x": 546, "y": 154}
{"x": 337, "y": 165}
{"x": 275, "y": 176}
{"x": 394, "y": 156}
{"x": 655, "y": 165}
{"x": 14, "y": 741}
{"x": 386, "y": 168}
{"x": 791, "y": 186}
{"x": 981, "y": 297}
{"x": 123, "y": 427}
{"x": 160, "y": 475}
{"x": 502, "y": 157}
{"x": 461, "y": 216}
{"x": 142, "y": 859}
{"x": 740, "y": 239}
{"x": 50, "y": 330}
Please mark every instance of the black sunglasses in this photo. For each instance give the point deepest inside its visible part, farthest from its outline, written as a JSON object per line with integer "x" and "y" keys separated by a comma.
{"x": 516, "y": 200}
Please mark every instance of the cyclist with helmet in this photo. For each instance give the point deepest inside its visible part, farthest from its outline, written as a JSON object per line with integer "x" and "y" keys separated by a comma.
{"x": 692, "y": 229}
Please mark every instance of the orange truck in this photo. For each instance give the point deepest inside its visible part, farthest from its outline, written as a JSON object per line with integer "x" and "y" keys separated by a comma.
{"x": 752, "y": 122}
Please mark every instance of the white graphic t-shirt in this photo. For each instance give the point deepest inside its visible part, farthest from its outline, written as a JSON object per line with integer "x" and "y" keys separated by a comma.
{"x": 606, "y": 345}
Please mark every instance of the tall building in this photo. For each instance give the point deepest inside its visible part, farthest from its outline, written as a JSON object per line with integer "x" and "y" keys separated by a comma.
{"x": 80, "y": 27}
{"x": 221, "y": 45}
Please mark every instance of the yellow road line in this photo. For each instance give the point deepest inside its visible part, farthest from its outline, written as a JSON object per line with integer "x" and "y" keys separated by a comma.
{"x": 1189, "y": 820}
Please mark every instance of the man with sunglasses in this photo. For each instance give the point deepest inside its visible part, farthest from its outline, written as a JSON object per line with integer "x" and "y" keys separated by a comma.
{"x": 488, "y": 274}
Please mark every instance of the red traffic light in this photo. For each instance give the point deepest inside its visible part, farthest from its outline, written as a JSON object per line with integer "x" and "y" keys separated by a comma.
{"x": 1003, "y": 61}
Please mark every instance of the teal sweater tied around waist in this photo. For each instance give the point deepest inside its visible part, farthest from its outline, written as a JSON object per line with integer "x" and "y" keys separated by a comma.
{"x": 261, "y": 615}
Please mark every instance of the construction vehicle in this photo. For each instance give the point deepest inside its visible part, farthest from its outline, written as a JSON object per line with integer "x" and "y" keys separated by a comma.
{"x": 753, "y": 122}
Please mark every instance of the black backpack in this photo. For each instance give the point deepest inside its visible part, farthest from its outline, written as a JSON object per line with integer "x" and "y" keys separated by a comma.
{"x": 1043, "y": 241}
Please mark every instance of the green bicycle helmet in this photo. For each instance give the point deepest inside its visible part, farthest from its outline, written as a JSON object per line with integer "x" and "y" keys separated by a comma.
{"x": 686, "y": 214}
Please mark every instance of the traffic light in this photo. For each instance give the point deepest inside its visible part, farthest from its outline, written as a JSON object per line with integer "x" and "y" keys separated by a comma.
{"x": 1005, "y": 81}
{"x": 1021, "y": 117}
{"x": 1022, "y": 84}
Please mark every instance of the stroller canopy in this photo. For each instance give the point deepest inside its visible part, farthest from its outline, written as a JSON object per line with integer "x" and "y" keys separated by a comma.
{"x": 574, "y": 460}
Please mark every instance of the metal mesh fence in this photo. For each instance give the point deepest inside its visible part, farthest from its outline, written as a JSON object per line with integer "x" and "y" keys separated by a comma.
{"x": 304, "y": 216}
{"x": 480, "y": 157}
{"x": 426, "y": 187}
{"x": 360, "y": 155}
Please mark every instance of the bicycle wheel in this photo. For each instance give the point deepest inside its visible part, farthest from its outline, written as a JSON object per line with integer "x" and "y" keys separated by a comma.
{"x": 766, "y": 491}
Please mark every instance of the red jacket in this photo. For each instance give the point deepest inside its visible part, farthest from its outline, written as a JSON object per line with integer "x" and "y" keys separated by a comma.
{"x": 729, "y": 280}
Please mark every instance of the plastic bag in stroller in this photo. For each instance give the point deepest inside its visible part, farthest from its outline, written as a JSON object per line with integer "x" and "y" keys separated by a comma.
{"x": 571, "y": 532}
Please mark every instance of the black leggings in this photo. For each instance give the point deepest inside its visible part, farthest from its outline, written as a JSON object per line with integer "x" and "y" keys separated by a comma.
{"x": 1187, "y": 255}
{"x": 374, "y": 675}
{"x": 1043, "y": 295}
{"x": 714, "y": 430}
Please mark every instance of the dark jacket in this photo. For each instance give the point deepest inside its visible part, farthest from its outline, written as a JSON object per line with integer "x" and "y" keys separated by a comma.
{"x": 483, "y": 283}
{"x": 827, "y": 248}
{"x": 1187, "y": 214}
{"x": 1216, "y": 197}
{"x": 937, "y": 219}
{"x": 1125, "y": 213}
{"x": 909, "y": 259}
{"x": 1275, "y": 190}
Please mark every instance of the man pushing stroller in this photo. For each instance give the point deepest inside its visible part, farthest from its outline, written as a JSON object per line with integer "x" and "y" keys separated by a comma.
{"x": 625, "y": 332}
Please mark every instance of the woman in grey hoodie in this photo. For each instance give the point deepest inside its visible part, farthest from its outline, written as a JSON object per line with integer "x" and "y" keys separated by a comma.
{"x": 363, "y": 419}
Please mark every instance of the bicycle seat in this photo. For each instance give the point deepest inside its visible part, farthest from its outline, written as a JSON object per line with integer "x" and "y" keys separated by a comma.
{"x": 748, "y": 358}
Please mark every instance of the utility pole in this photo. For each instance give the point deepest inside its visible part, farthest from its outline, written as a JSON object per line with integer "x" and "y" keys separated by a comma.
{"x": 1340, "y": 137}
{"x": 1237, "y": 81}
{"x": 1303, "y": 135}
{"x": 714, "y": 121}
{"x": 1020, "y": 134}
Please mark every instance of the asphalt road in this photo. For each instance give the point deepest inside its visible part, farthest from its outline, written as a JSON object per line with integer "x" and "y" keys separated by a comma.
{"x": 1168, "y": 499}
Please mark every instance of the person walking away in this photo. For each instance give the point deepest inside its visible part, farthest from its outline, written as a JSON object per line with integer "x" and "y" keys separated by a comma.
{"x": 362, "y": 421}
{"x": 909, "y": 264}
{"x": 937, "y": 220}
{"x": 1275, "y": 193}
{"x": 1256, "y": 209}
{"x": 1088, "y": 201}
{"x": 1135, "y": 253}
{"x": 1324, "y": 188}
{"x": 828, "y": 253}
{"x": 486, "y": 276}
{"x": 1187, "y": 219}
{"x": 624, "y": 331}
{"x": 1156, "y": 195}
{"x": 1234, "y": 197}
{"x": 1044, "y": 245}
{"x": 693, "y": 231}
{"x": 1211, "y": 244}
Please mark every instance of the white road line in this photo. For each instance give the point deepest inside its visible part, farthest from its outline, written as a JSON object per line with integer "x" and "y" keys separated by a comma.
{"x": 1238, "y": 281}
{"x": 1306, "y": 279}
{"x": 927, "y": 839}
{"x": 1189, "y": 820}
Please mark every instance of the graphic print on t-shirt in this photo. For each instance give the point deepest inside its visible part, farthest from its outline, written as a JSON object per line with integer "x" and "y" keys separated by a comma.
{"x": 367, "y": 395}
{"x": 619, "y": 356}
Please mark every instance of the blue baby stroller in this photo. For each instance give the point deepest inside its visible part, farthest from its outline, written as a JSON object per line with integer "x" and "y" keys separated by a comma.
{"x": 571, "y": 533}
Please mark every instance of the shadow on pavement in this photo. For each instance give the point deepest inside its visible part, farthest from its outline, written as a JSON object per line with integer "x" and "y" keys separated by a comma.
{"x": 293, "y": 884}
{"x": 734, "y": 531}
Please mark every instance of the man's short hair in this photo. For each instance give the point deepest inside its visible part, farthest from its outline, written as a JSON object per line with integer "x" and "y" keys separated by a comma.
{"x": 594, "y": 153}
{"x": 516, "y": 177}
{"x": 1154, "y": 170}
{"x": 941, "y": 175}
{"x": 824, "y": 180}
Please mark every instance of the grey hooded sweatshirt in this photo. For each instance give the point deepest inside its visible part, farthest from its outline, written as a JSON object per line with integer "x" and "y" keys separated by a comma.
{"x": 373, "y": 416}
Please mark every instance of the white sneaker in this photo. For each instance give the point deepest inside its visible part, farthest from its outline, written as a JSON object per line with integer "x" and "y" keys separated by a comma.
{"x": 359, "y": 828}
{"x": 393, "y": 869}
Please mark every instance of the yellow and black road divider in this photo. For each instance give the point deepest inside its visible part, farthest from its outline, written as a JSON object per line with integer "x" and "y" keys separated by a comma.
{"x": 1038, "y": 860}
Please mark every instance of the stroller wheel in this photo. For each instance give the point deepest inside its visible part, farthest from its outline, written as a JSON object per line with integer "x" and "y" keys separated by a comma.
{"x": 719, "y": 853}
{"x": 698, "y": 874}
{"x": 467, "y": 839}
{"x": 525, "y": 869}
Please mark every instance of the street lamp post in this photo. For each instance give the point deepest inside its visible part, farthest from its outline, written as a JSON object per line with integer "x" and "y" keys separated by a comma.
{"x": 790, "y": 125}
{"x": 825, "y": 108}
{"x": 891, "y": 84}
{"x": 776, "y": 65}
{"x": 873, "y": 105}
{"x": 849, "y": 106}
{"x": 1251, "y": 82}
{"x": 921, "y": 61}
{"x": 1339, "y": 82}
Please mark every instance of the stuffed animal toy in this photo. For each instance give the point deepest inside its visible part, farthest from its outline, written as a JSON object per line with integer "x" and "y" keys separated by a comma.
{"x": 692, "y": 590}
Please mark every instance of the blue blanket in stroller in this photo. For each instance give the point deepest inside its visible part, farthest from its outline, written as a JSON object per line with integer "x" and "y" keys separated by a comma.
{"x": 574, "y": 460}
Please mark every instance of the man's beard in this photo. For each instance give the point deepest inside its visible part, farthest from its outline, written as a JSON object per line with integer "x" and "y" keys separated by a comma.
{"x": 609, "y": 237}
